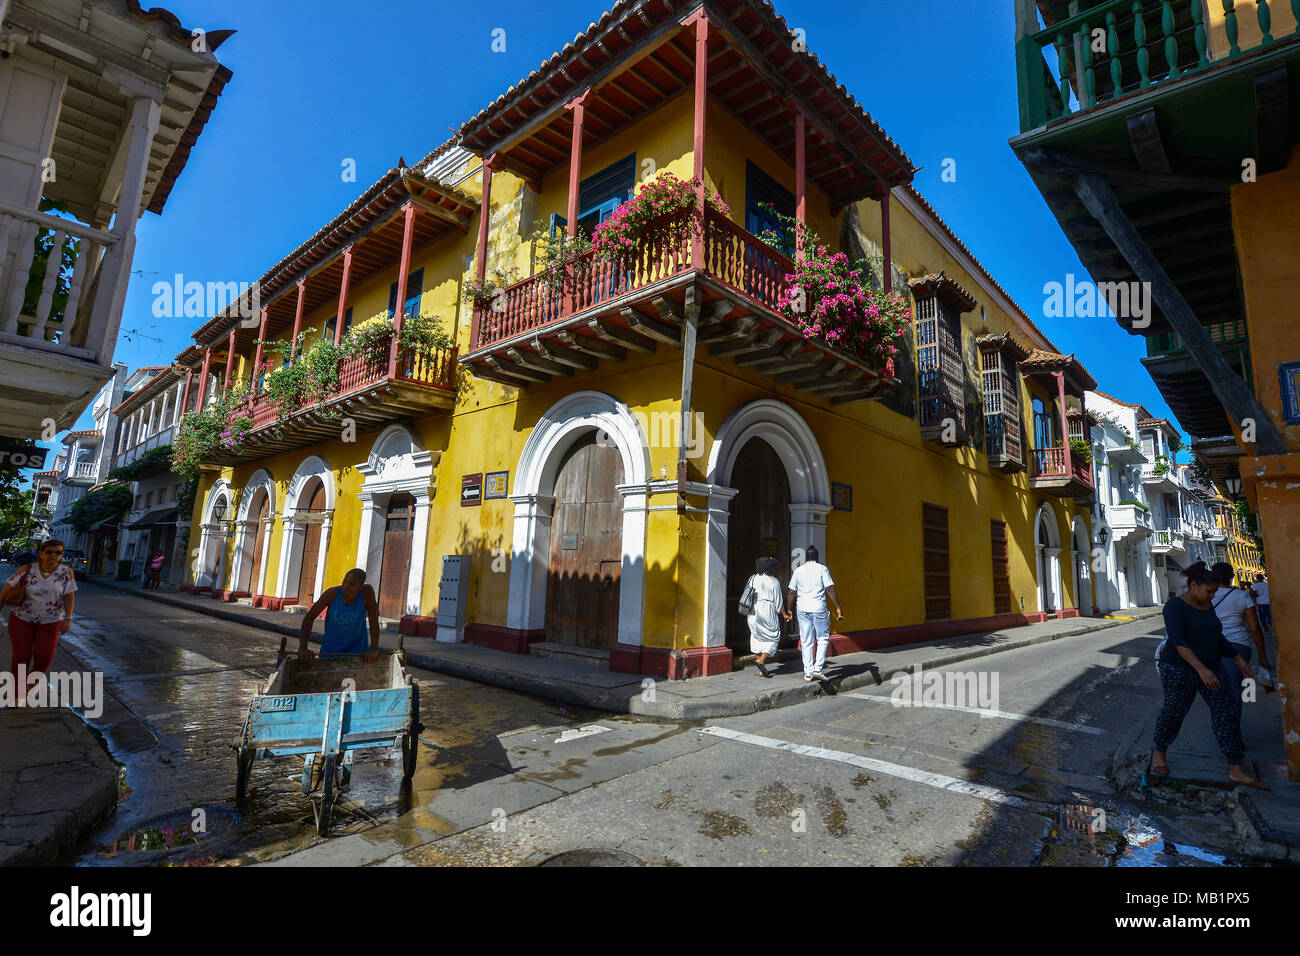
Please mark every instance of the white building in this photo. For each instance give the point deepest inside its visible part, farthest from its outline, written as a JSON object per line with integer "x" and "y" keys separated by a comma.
{"x": 100, "y": 105}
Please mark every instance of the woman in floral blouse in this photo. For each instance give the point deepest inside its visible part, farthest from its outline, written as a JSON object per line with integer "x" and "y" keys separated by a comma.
{"x": 45, "y": 612}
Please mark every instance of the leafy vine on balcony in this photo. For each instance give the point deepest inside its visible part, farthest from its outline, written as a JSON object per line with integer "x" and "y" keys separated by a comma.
{"x": 665, "y": 202}
{"x": 223, "y": 425}
{"x": 1081, "y": 450}
{"x": 151, "y": 461}
{"x": 100, "y": 503}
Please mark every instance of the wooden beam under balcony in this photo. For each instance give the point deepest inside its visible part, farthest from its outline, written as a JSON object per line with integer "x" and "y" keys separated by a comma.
{"x": 592, "y": 346}
{"x": 515, "y": 374}
{"x": 537, "y": 363}
{"x": 630, "y": 340}
{"x": 564, "y": 355}
{"x": 744, "y": 346}
{"x": 660, "y": 331}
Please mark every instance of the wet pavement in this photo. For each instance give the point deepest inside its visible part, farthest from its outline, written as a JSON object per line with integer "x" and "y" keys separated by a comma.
{"x": 505, "y": 778}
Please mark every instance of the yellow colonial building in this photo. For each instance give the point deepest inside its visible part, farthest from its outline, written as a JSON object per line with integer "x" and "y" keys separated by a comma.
{"x": 604, "y": 442}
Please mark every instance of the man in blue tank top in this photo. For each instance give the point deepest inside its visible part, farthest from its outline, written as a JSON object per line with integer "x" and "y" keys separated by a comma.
{"x": 351, "y": 605}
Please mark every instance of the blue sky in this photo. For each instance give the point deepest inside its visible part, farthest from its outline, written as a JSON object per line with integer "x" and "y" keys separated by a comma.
{"x": 316, "y": 83}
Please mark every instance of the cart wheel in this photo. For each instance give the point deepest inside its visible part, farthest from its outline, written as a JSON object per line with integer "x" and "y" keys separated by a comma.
{"x": 411, "y": 740}
{"x": 243, "y": 768}
{"x": 326, "y": 798}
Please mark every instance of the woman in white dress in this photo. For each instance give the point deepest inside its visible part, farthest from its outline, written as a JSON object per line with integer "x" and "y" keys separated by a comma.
{"x": 765, "y": 621}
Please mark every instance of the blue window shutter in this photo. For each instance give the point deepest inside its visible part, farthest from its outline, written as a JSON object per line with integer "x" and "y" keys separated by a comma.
{"x": 414, "y": 289}
{"x": 559, "y": 223}
{"x": 615, "y": 182}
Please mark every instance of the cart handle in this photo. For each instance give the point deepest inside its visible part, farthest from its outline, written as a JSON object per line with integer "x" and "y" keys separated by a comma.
{"x": 284, "y": 642}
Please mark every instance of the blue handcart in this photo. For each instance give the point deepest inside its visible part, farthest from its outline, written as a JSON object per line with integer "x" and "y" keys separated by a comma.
{"x": 325, "y": 710}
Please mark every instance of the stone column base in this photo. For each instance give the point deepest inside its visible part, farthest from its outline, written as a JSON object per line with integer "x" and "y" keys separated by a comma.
{"x": 670, "y": 663}
{"x": 509, "y": 639}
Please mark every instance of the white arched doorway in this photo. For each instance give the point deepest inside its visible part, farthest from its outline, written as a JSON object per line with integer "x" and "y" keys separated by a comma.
{"x": 1081, "y": 546}
{"x": 210, "y": 567}
{"x": 308, "y": 516}
{"x": 1047, "y": 545}
{"x": 253, "y": 522}
{"x": 793, "y": 442}
{"x": 566, "y": 424}
{"x": 395, "y": 496}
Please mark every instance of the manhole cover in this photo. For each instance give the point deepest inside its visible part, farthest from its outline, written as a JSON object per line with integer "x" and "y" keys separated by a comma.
{"x": 594, "y": 857}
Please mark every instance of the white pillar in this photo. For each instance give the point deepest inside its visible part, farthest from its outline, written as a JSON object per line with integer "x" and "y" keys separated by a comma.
{"x": 258, "y": 587}
{"x": 419, "y": 545}
{"x": 631, "y": 580}
{"x": 530, "y": 561}
{"x": 320, "y": 556}
{"x": 106, "y": 314}
{"x": 370, "y": 539}
{"x": 1054, "y": 576}
{"x": 808, "y": 526}
{"x": 715, "y": 567}
{"x": 291, "y": 542}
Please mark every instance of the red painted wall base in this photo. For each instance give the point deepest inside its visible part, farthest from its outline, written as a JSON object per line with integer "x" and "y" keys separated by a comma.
{"x": 510, "y": 639}
{"x": 272, "y": 603}
{"x": 670, "y": 663}
{"x": 227, "y": 596}
{"x": 855, "y": 641}
{"x": 418, "y": 625}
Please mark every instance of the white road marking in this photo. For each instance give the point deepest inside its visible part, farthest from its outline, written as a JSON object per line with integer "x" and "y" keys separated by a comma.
{"x": 581, "y": 732}
{"x": 1045, "y": 721}
{"x": 924, "y": 777}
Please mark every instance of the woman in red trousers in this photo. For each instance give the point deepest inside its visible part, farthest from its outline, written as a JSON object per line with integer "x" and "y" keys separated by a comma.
{"x": 45, "y": 611}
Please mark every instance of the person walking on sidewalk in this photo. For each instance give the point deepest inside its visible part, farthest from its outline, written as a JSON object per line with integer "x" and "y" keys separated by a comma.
{"x": 1262, "y": 604}
{"x": 810, "y": 586}
{"x": 351, "y": 605}
{"x": 765, "y": 620}
{"x": 1237, "y": 614}
{"x": 44, "y": 590}
{"x": 1191, "y": 663}
{"x": 156, "y": 562}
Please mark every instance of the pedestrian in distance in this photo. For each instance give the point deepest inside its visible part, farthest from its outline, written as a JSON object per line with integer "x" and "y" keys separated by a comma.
{"x": 1191, "y": 663}
{"x": 810, "y": 587}
{"x": 41, "y": 594}
{"x": 351, "y": 605}
{"x": 1240, "y": 620}
{"x": 1263, "y": 606}
{"x": 156, "y": 563}
{"x": 765, "y": 614}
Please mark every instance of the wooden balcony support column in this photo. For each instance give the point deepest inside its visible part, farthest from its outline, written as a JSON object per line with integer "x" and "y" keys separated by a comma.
{"x": 800, "y": 181}
{"x": 203, "y": 380}
{"x": 344, "y": 284}
{"x": 1065, "y": 421}
{"x": 297, "y": 317}
{"x": 578, "y": 107}
{"x": 887, "y": 267}
{"x": 484, "y": 217}
{"x": 185, "y": 401}
{"x": 230, "y": 359}
{"x": 257, "y": 352}
{"x": 404, "y": 267}
{"x": 701, "y": 22}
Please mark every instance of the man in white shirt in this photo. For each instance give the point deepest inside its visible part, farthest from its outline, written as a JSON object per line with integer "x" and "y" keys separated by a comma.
{"x": 810, "y": 586}
{"x": 1262, "y": 605}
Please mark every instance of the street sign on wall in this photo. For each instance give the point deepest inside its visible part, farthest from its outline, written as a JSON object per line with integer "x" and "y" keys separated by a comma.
{"x": 16, "y": 453}
{"x": 1288, "y": 374}
{"x": 495, "y": 484}
{"x": 471, "y": 490}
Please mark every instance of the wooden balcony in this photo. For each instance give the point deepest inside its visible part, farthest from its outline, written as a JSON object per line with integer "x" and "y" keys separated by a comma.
{"x": 555, "y": 325}
{"x": 425, "y": 382}
{"x": 1002, "y": 443}
{"x": 1049, "y": 474}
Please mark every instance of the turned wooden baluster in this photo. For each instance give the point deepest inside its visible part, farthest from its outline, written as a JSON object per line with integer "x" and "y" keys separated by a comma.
{"x": 1265, "y": 21}
{"x": 1089, "y": 76}
{"x": 85, "y": 252}
{"x": 1171, "y": 45}
{"x": 1140, "y": 38}
{"x": 1112, "y": 44}
{"x": 1230, "y": 23}
{"x": 45, "y": 303}
{"x": 1063, "y": 71}
{"x": 23, "y": 236}
{"x": 1198, "y": 36}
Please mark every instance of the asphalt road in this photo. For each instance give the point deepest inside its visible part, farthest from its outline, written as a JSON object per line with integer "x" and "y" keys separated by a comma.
{"x": 505, "y": 778}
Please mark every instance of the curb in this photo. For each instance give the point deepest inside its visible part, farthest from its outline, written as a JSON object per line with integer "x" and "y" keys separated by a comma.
{"x": 633, "y": 702}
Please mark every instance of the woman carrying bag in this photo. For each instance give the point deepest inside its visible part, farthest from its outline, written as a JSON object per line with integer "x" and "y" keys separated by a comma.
{"x": 761, "y": 603}
{"x": 41, "y": 598}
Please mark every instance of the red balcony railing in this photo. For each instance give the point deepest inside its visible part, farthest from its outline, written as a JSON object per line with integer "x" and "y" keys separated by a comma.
{"x": 434, "y": 368}
{"x": 731, "y": 255}
{"x": 1050, "y": 463}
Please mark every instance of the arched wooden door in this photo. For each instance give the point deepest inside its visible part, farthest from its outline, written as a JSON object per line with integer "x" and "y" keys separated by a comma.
{"x": 262, "y": 511}
{"x": 586, "y": 558}
{"x": 394, "y": 574}
{"x": 310, "y": 542}
{"x": 759, "y": 526}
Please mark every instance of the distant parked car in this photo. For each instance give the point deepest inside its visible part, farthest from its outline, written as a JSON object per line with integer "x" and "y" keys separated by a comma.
{"x": 76, "y": 560}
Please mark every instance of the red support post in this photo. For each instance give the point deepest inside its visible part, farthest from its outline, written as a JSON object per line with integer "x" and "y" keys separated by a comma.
{"x": 203, "y": 380}
{"x": 404, "y": 267}
{"x": 257, "y": 353}
{"x": 480, "y": 266}
{"x": 297, "y": 318}
{"x": 185, "y": 400}
{"x": 887, "y": 269}
{"x": 343, "y": 295}
{"x": 701, "y": 110}
{"x": 1065, "y": 421}
{"x": 800, "y": 181}
{"x": 230, "y": 361}
{"x": 575, "y": 181}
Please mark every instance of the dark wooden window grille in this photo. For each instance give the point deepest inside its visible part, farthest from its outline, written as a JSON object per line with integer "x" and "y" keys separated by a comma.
{"x": 1001, "y": 409}
{"x": 939, "y": 365}
{"x": 934, "y": 537}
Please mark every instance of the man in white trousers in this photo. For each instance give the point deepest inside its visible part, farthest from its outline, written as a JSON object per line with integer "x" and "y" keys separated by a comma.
{"x": 810, "y": 586}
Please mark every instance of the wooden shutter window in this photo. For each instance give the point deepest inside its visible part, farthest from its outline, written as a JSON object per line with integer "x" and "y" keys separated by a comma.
{"x": 1001, "y": 409}
{"x": 1001, "y": 567}
{"x": 940, "y": 371}
{"x": 934, "y": 538}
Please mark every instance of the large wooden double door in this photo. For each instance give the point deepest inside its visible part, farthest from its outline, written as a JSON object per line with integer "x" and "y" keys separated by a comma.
{"x": 263, "y": 511}
{"x": 586, "y": 558}
{"x": 311, "y": 543}
{"x": 394, "y": 574}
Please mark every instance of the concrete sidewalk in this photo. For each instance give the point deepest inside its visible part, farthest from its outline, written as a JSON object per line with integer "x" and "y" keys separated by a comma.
{"x": 1267, "y": 822}
{"x": 56, "y": 781}
{"x": 725, "y": 695}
